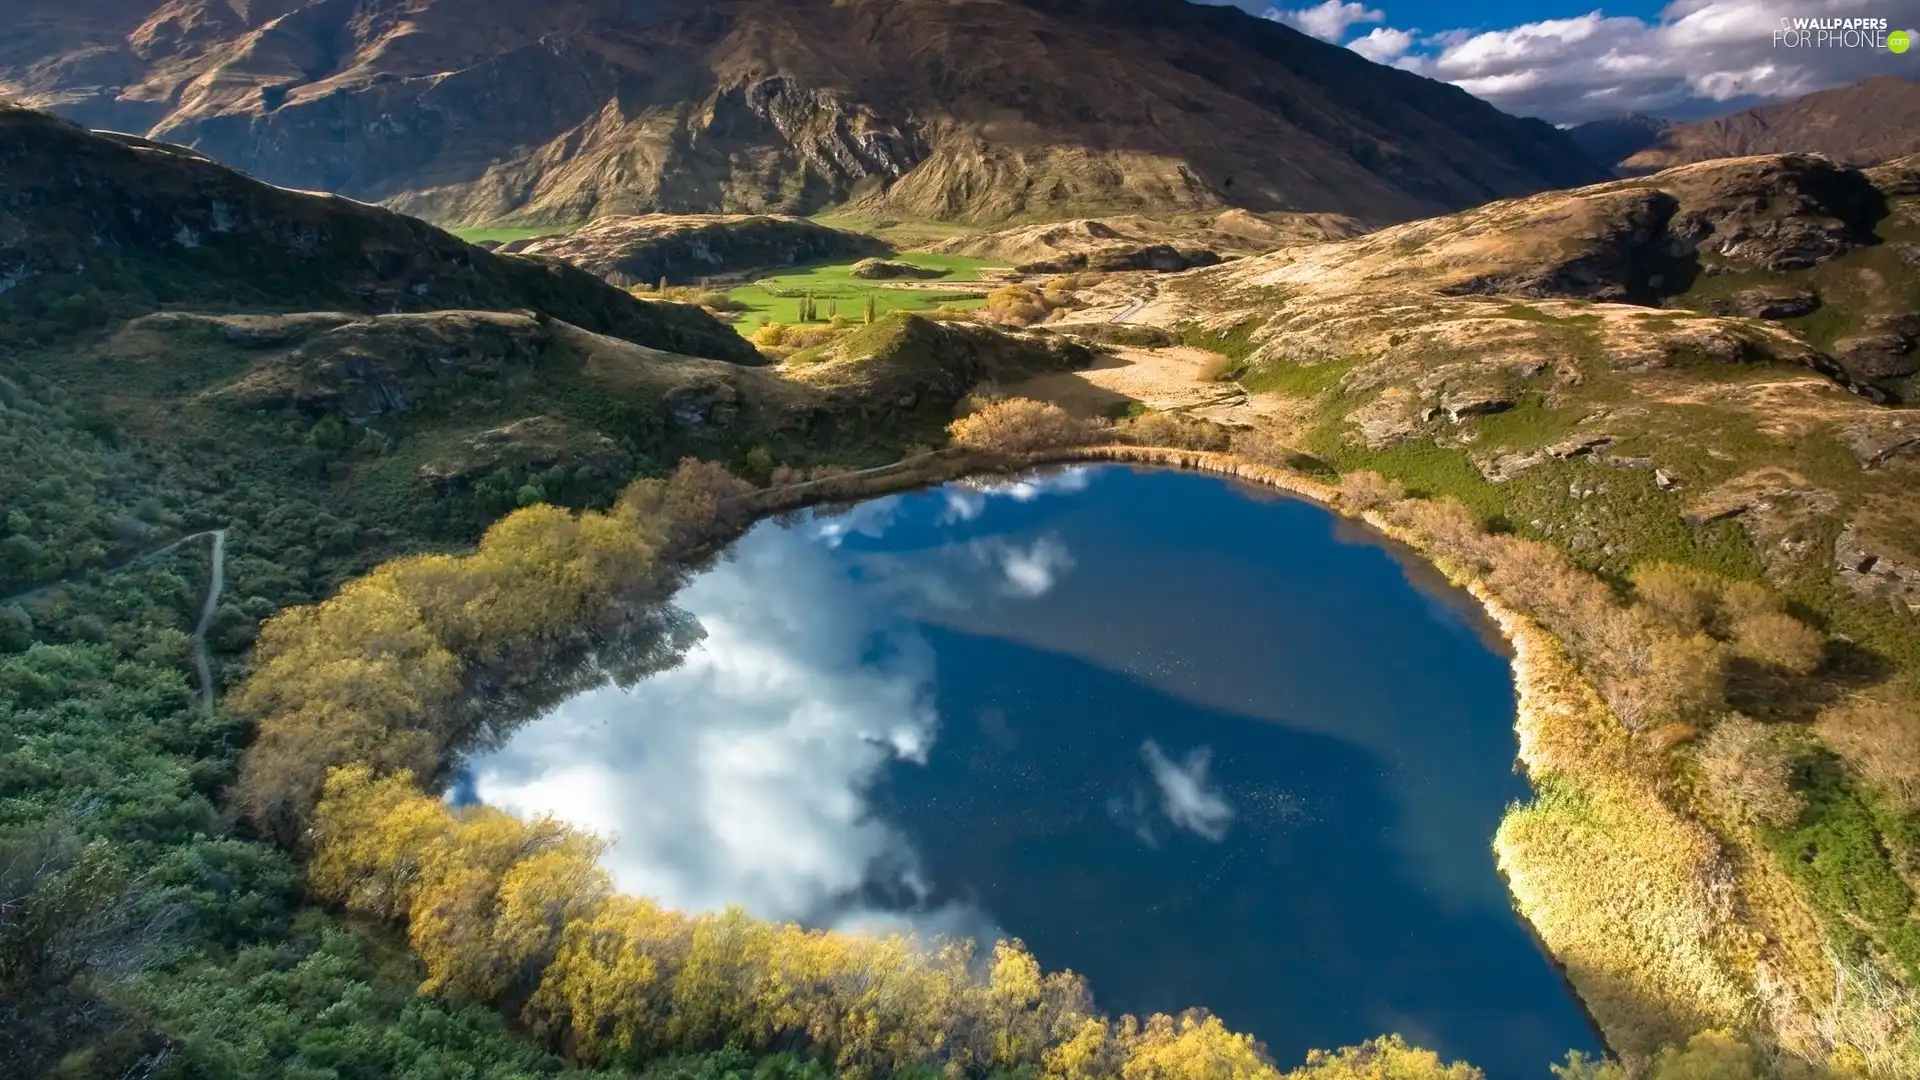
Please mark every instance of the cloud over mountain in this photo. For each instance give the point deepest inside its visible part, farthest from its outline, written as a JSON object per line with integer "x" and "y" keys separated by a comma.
{"x": 1697, "y": 57}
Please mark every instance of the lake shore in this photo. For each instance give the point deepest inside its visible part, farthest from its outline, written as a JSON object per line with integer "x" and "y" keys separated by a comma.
{"x": 1663, "y": 926}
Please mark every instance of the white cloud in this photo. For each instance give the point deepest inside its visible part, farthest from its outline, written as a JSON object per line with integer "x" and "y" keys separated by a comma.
{"x": 741, "y": 776}
{"x": 1032, "y": 571}
{"x": 871, "y": 519}
{"x": 1383, "y": 44}
{"x": 1696, "y": 58}
{"x": 967, "y": 498}
{"x": 1327, "y": 20}
{"x": 1185, "y": 795}
{"x": 1130, "y": 813}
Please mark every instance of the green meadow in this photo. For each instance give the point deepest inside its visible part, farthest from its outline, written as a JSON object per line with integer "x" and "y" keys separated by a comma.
{"x": 509, "y": 233}
{"x": 834, "y": 289}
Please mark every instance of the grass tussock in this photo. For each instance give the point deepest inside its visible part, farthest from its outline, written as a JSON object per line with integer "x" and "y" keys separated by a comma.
{"x": 1879, "y": 738}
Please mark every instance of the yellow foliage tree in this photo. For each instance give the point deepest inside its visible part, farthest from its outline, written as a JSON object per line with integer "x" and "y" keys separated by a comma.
{"x": 604, "y": 995}
{"x": 1191, "y": 1046}
{"x": 1384, "y": 1058}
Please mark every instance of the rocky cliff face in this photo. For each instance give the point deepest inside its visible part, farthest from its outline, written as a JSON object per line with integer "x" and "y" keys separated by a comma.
{"x": 985, "y": 110}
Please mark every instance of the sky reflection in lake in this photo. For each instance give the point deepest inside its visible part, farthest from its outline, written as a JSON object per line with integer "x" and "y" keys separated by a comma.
{"x": 1203, "y": 748}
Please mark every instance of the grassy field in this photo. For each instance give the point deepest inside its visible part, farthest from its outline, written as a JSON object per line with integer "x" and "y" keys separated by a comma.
{"x": 901, "y": 234}
{"x": 509, "y": 234}
{"x": 833, "y": 286}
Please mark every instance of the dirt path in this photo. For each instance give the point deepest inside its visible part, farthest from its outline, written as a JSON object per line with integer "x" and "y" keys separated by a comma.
{"x": 216, "y": 584}
{"x": 1172, "y": 378}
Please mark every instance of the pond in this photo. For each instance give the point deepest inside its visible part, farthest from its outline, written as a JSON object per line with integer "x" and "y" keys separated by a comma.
{"x": 1203, "y": 744}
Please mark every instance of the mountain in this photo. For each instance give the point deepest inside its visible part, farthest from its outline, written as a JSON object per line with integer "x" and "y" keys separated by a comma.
{"x": 1871, "y": 121}
{"x": 1617, "y": 138}
{"x": 465, "y": 111}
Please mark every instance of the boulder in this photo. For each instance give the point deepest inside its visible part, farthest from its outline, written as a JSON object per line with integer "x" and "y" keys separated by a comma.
{"x": 1876, "y": 356}
{"x": 1475, "y": 402}
{"x": 1767, "y": 302}
{"x": 1874, "y": 571}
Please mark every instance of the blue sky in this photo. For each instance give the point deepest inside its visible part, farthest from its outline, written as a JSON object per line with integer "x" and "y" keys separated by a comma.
{"x": 1568, "y": 61}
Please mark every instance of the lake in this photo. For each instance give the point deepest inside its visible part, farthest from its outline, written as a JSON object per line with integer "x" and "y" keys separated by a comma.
{"x": 1205, "y": 745}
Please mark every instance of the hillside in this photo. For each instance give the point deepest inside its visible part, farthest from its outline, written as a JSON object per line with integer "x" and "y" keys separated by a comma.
{"x": 1127, "y": 242}
{"x": 1613, "y": 139}
{"x": 982, "y": 110}
{"x": 93, "y": 226}
{"x": 1871, "y": 121}
{"x": 680, "y": 249}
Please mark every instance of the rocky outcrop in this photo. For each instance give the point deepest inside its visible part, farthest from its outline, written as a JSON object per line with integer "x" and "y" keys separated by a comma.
{"x": 364, "y": 369}
{"x": 1875, "y": 571}
{"x": 1119, "y": 258}
{"x": 533, "y": 443}
{"x": 1788, "y": 212}
{"x": 1227, "y": 233}
{"x": 683, "y": 248}
{"x": 907, "y": 362}
{"x": 1643, "y": 241}
{"x": 1767, "y": 302}
{"x": 1883, "y": 349}
{"x": 1783, "y": 516}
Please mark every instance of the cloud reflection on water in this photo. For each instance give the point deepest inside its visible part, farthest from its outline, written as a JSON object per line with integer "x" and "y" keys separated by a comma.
{"x": 1188, "y": 799}
{"x": 742, "y": 776}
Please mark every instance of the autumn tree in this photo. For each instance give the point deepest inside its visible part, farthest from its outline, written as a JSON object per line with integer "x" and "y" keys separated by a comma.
{"x": 1364, "y": 489}
{"x": 1385, "y": 1058}
{"x": 1191, "y": 1046}
{"x": 1021, "y": 425}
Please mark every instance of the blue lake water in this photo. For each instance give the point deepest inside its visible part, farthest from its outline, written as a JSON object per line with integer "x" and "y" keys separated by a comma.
{"x": 1204, "y": 745}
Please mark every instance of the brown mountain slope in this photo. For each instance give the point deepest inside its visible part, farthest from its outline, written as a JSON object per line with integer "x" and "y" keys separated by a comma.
{"x": 986, "y": 110}
{"x": 1871, "y": 121}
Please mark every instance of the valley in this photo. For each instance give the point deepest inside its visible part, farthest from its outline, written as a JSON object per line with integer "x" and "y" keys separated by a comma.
{"x": 760, "y": 365}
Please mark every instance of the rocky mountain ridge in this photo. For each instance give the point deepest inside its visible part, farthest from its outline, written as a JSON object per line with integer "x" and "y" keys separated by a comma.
{"x": 466, "y": 111}
{"x": 1866, "y": 123}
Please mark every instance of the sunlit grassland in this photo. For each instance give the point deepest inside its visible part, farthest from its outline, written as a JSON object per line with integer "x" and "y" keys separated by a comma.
{"x": 895, "y": 231}
{"x": 834, "y": 290}
{"x": 506, "y": 234}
